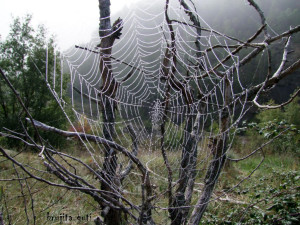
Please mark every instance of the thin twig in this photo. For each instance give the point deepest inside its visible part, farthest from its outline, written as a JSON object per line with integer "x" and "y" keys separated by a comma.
{"x": 262, "y": 17}
{"x": 23, "y": 195}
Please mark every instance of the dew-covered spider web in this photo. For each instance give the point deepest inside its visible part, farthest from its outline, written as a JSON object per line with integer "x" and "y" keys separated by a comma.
{"x": 174, "y": 87}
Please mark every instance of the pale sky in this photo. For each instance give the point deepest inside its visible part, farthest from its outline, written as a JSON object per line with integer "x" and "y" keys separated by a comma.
{"x": 71, "y": 21}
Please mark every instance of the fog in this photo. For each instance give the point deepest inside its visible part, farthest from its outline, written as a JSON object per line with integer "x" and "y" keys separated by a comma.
{"x": 71, "y": 21}
{"x": 74, "y": 22}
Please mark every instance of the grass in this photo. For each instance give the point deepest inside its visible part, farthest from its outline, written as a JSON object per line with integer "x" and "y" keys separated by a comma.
{"x": 279, "y": 174}
{"x": 47, "y": 199}
{"x": 271, "y": 191}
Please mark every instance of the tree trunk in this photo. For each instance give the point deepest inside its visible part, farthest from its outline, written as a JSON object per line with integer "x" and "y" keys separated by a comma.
{"x": 212, "y": 175}
{"x": 110, "y": 182}
{"x": 186, "y": 173}
{"x": 218, "y": 150}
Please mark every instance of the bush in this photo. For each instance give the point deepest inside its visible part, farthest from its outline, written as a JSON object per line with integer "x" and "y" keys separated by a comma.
{"x": 284, "y": 122}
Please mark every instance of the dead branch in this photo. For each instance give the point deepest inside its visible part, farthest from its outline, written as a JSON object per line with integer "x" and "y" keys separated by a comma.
{"x": 259, "y": 148}
{"x": 20, "y": 101}
{"x": 276, "y": 74}
{"x": 262, "y": 16}
{"x": 92, "y": 138}
{"x": 271, "y": 82}
{"x": 134, "y": 139}
{"x": 276, "y": 106}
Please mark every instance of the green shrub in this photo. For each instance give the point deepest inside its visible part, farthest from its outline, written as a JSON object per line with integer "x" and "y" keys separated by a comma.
{"x": 271, "y": 123}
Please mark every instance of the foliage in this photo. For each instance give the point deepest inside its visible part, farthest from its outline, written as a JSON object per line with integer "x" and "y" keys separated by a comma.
{"x": 21, "y": 54}
{"x": 270, "y": 123}
{"x": 289, "y": 113}
{"x": 272, "y": 196}
{"x": 270, "y": 199}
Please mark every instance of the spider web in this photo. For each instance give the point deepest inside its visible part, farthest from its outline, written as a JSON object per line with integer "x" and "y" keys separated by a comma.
{"x": 141, "y": 97}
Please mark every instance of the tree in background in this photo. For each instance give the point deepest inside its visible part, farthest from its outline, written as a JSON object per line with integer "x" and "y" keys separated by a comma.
{"x": 22, "y": 56}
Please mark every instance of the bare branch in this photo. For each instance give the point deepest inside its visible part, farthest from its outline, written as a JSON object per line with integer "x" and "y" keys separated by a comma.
{"x": 284, "y": 58}
{"x": 259, "y": 148}
{"x": 94, "y": 139}
{"x": 272, "y": 81}
{"x": 238, "y": 49}
{"x": 284, "y": 34}
{"x": 212, "y": 31}
{"x": 20, "y": 101}
{"x": 16, "y": 179}
{"x": 262, "y": 16}
{"x": 23, "y": 195}
{"x": 276, "y": 106}
{"x": 111, "y": 202}
{"x": 134, "y": 139}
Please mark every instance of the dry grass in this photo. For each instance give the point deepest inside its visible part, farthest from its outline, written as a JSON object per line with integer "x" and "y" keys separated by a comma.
{"x": 60, "y": 201}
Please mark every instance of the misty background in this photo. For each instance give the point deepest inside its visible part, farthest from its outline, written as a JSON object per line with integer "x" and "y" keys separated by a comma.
{"x": 231, "y": 17}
